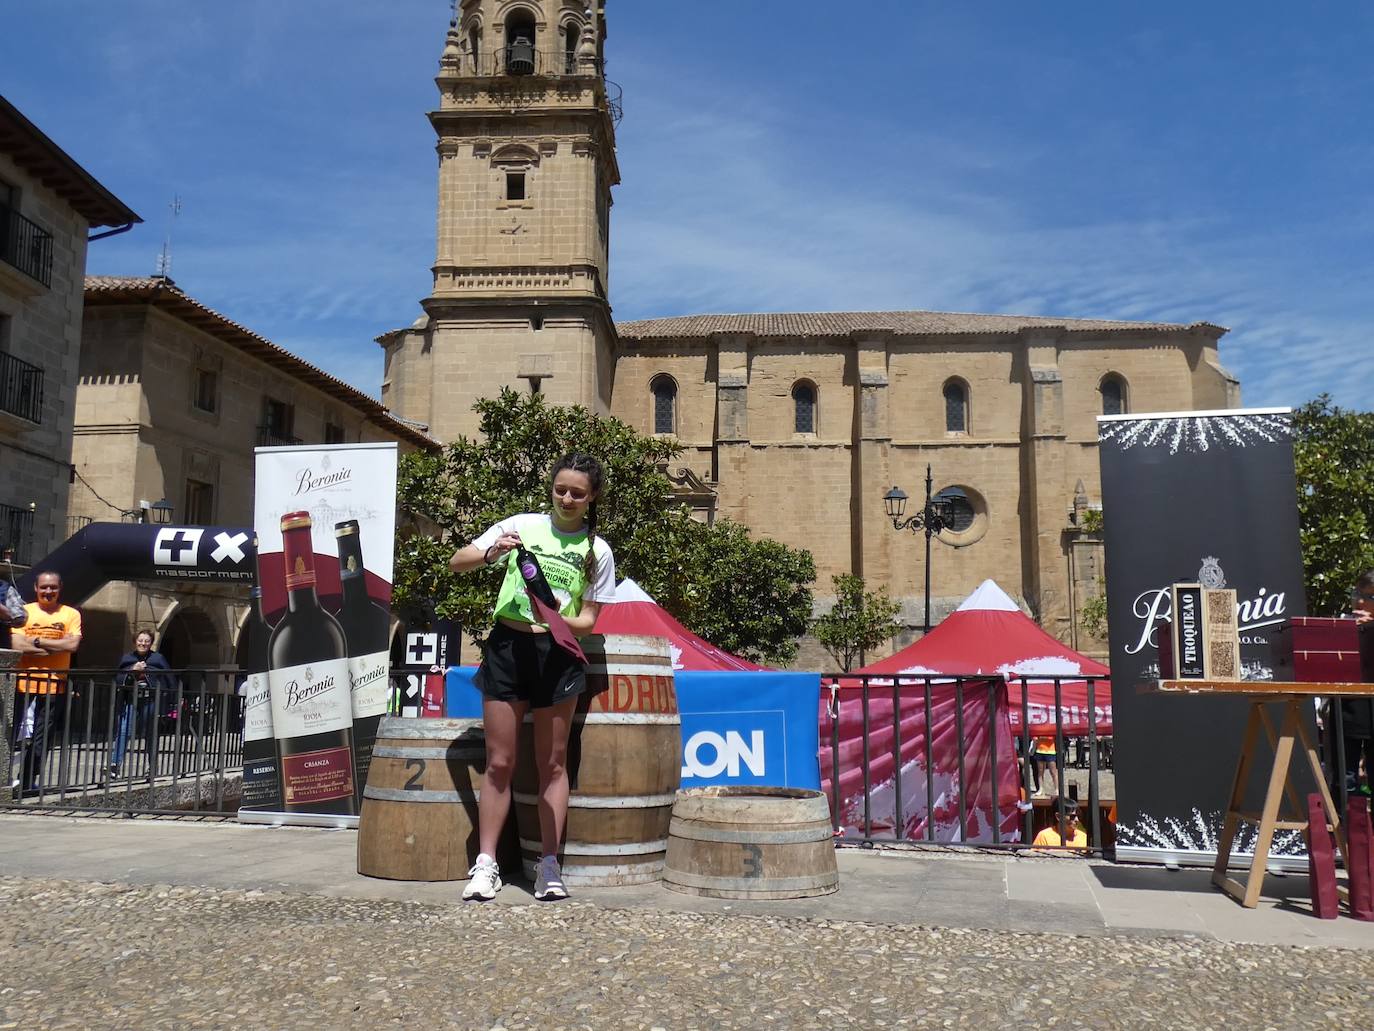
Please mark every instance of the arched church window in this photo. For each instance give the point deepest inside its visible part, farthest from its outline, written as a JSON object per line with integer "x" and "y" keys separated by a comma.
{"x": 664, "y": 390}
{"x": 520, "y": 36}
{"x": 1113, "y": 389}
{"x": 956, "y": 407}
{"x": 804, "y": 407}
{"x": 571, "y": 34}
{"x": 475, "y": 47}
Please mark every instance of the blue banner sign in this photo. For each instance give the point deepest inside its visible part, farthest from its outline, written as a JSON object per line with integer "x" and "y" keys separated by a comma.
{"x": 754, "y": 728}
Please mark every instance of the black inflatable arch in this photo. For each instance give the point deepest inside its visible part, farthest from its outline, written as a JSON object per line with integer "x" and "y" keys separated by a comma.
{"x": 103, "y": 552}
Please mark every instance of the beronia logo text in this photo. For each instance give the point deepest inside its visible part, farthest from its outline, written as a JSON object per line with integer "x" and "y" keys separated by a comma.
{"x": 307, "y": 481}
{"x": 259, "y": 695}
{"x": 366, "y": 677}
{"x": 1264, "y": 610}
{"x": 297, "y": 694}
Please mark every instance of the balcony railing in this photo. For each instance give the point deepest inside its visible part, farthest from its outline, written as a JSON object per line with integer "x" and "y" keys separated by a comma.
{"x": 275, "y": 436}
{"x": 518, "y": 61}
{"x": 16, "y": 534}
{"x": 21, "y": 388}
{"x": 26, "y": 246}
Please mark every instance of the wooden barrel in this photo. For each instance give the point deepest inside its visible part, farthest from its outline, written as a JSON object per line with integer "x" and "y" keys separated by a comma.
{"x": 751, "y": 843}
{"x": 624, "y": 767}
{"x": 419, "y": 817}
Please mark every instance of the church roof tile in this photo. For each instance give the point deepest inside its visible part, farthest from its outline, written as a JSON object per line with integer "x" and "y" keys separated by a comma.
{"x": 904, "y": 323}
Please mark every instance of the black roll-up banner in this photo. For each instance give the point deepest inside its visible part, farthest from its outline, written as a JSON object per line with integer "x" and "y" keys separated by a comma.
{"x": 1198, "y": 497}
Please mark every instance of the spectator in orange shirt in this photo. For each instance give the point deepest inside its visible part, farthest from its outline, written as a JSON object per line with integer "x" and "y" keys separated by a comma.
{"x": 50, "y": 634}
{"x": 1073, "y": 835}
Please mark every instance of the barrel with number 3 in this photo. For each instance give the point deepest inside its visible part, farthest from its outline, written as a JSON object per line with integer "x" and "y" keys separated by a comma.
{"x": 419, "y": 817}
{"x": 751, "y": 843}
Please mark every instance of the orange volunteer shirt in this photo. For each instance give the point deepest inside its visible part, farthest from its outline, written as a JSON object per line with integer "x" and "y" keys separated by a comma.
{"x": 65, "y": 622}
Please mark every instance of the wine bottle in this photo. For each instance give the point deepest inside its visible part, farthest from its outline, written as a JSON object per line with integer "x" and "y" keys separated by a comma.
{"x": 534, "y": 578}
{"x": 312, "y": 708}
{"x": 261, "y": 783}
{"x": 367, "y": 631}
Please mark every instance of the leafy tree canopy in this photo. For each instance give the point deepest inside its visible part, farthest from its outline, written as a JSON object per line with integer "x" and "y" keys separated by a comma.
{"x": 860, "y": 621}
{"x": 1333, "y": 450}
{"x": 751, "y": 597}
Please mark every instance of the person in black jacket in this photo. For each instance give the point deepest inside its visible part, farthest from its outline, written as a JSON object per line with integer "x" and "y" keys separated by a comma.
{"x": 1357, "y": 714}
{"x": 144, "y": 677}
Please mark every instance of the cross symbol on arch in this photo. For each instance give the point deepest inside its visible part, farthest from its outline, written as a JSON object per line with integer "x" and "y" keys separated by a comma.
{"x": 176, "y": 546}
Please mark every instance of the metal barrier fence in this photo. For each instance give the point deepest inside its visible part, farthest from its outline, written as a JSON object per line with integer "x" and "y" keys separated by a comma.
{"x": 100, "y": 739}
{"x": 884, "y": 728}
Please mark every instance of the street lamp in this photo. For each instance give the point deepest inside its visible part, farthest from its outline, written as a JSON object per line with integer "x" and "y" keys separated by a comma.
{"x": 159, "y": 512}
{"x": 935, "y": 515}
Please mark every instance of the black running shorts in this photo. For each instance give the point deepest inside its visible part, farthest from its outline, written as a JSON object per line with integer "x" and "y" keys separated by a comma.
{"x": 519, "y": 667}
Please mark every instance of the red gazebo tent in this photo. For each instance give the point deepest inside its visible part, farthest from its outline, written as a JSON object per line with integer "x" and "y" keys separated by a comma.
{"x": 989, "y": 634}
{"x": 634, "y": 612}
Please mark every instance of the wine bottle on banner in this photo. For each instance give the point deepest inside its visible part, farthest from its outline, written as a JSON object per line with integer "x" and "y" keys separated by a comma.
{"x": 367, "y": 630}
{"x": 312, "y": 706}
{"x": 261, "y": 782}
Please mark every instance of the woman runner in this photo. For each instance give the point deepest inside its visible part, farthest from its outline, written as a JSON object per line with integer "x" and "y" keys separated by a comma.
{"x": 524, "y": 670}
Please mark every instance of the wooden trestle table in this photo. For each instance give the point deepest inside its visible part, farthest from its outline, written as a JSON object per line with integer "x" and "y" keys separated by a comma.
{"x": 1290, "y": 733}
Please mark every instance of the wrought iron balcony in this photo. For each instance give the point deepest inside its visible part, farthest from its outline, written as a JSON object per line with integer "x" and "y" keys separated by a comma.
{"x": 25, "y": 245}
{"x": 275, "y": 436}
{"x": 21, "y": 388}
{"x": 16, "y": 534}
{"x": 520, "y": 61}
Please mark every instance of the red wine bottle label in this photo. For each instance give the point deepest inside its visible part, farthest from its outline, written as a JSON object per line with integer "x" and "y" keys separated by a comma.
{"x": 317, "y": 776}
{"x": 257, "y": 709}
{"x": 312, "y": 698}
{"x": 370, "y": 683}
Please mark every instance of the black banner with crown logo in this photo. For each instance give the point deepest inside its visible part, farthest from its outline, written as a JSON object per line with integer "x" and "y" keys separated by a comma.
{"x": 1206, "y": 498}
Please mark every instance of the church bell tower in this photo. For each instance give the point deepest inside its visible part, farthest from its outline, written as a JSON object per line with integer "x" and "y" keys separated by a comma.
{"x": 526, "y": 128}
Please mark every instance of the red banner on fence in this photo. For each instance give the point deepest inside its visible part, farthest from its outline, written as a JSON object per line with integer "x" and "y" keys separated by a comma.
{"x": 928, "y": 778}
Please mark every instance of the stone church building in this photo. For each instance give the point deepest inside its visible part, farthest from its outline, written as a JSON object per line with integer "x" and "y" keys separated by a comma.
{"x": 794, "y": 424}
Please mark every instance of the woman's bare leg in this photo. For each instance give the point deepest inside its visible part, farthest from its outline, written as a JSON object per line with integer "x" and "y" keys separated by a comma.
{"x": 551, "y": 727}
{"x": 502, "y": 723}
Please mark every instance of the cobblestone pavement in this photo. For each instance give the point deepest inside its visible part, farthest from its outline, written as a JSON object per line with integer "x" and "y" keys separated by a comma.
{"x": 97, "y": 956}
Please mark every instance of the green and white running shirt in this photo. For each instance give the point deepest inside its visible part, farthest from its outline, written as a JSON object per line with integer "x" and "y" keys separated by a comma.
{"x": 561, "y": 555}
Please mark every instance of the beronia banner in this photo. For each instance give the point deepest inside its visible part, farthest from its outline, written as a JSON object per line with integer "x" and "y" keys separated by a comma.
{"x": 318, "y": 637}
{"x": 1205, "y": 498}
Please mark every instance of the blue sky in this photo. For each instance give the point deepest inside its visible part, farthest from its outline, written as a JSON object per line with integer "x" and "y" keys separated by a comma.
{"x": 1165, "y": 161}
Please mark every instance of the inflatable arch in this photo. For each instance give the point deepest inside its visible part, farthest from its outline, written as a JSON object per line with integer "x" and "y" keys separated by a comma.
{"x": 103, "y": 552}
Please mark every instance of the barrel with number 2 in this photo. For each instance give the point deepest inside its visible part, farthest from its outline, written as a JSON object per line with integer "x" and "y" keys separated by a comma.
{"x": 419, "y": 817}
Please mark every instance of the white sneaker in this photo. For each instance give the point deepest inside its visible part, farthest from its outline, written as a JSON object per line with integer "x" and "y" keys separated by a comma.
{"x": 484, "y": 880}
{"x": 548, "y": 885}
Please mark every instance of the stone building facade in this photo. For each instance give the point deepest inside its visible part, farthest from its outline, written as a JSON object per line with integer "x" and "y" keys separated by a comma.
{"x": 794, "y": 424}
{"x": 173, "y": 398}
{"x": 48, "y": 205}
{"x": 803, "y": 422}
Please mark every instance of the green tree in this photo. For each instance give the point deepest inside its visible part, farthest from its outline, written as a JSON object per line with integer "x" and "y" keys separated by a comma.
{"x": 731, "y": 589}
{"x": 750, "y": 597}
{"x": 1333, "y": 451}
{"x": 861, "y": 620}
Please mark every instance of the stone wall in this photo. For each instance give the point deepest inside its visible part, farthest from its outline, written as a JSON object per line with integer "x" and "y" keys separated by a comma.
{"x": 42, "y": 326}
